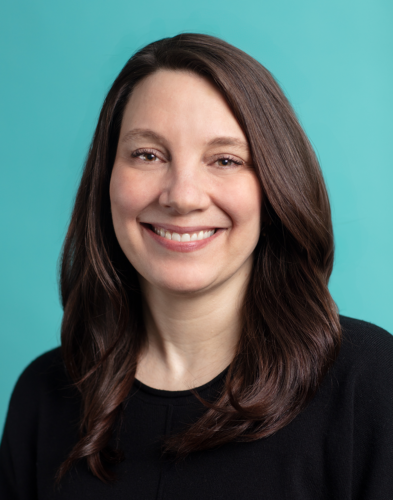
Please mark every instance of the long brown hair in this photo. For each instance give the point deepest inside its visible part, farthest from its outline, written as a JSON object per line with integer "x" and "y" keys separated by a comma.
{"x": 291, "y": 332}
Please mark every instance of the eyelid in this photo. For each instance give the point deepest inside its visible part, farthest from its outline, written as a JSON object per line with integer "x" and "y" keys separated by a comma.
{"x": 235, "y": 159}
{"x": 224, "y": 156}
{"x": 151, "y": 151}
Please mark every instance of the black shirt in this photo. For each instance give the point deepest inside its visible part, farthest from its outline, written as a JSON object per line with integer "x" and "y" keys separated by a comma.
{"x": 339, "y": 448}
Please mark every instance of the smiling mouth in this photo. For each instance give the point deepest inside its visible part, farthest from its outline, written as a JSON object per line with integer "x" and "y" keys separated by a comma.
{"x": 186, "y": 237}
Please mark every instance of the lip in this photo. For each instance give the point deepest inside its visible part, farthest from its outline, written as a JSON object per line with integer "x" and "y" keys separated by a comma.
{"x": 180, "y": 229}
{"x": 181, "y": 246}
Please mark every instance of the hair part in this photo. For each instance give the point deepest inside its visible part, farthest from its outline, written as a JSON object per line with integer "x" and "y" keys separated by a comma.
{"x": 291, "y": 333}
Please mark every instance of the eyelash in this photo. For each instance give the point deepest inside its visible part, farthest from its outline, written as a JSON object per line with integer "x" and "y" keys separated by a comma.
{"x": 140, "y": 152}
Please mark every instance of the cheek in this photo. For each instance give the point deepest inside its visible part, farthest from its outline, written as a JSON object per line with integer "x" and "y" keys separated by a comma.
{"x": 129, "y": 194}
{"x": 243, "y": 200}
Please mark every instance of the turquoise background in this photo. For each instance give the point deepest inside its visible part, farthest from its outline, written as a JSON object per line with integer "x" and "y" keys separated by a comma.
{"x": 334, "y": 60}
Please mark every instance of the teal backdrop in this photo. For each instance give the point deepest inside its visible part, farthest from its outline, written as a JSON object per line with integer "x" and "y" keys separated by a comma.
{"x": 333, "y": 58}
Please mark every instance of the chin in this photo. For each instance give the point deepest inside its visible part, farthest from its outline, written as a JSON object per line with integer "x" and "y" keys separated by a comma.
{"x": 185, "y": 288}
{"x": 182, "y": 284}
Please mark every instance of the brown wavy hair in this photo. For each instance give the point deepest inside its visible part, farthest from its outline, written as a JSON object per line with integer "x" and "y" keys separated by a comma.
{"x": 291, "y": 332}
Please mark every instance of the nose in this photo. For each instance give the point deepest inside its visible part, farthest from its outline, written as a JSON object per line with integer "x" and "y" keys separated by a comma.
{"x": 185, "y": 189}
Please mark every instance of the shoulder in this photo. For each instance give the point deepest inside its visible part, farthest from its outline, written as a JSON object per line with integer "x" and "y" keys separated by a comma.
{"x": 361, "y": 396}
{"x": 42, "y": 394}
{"x": 363, "y": 371}
{"x": 42, "y": 368}
{"x": 363, "y": 333}
{"x": 366, "y": 347}
{"x": 44, "y": 375}
{"x": 42, "y": 411}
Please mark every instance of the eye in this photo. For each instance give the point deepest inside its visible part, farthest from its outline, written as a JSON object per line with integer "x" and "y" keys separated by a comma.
{"x": 148, "y": 156}
{"x": 145, "y": 155}
{"x": 227, "y": 161}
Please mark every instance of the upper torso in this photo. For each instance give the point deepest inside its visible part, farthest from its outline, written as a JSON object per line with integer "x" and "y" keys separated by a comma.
{"x": 340, "y": 447}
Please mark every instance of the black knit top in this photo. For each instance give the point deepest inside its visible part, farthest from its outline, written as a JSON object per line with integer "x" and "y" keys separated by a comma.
{"x": 339, "y": 448}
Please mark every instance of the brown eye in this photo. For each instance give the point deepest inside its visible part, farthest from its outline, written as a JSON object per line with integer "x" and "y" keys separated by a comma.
{"x": 148, "y": 156}
{"x": 224, "y": 162}
{"x": 228, "y": 162}
{"x": 145, "y": 155}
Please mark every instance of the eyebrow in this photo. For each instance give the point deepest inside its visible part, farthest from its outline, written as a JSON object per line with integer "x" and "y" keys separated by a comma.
{"x": 228, "y": 141}
{"x": 217, "y": 141}
{"x": 141, "y": 132}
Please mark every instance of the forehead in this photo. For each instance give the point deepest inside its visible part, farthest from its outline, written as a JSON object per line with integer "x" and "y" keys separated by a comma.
{"x": 181, "y": 104}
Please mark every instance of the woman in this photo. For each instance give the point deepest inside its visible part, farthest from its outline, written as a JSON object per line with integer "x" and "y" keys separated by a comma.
{"x": 202, "y": 355}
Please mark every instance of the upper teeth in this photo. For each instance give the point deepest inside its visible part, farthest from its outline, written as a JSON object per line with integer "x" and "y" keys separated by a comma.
{"x": 201, "y": 235}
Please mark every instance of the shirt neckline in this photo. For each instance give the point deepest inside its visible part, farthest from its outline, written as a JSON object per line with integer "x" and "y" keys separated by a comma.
{"x": 161, "y": 393}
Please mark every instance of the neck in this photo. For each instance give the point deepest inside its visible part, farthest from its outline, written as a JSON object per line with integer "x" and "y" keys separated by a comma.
{"x": 191, "y": 337}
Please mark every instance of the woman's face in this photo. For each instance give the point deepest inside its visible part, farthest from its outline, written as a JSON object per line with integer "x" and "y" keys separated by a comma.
{"x": 185, "y": 200}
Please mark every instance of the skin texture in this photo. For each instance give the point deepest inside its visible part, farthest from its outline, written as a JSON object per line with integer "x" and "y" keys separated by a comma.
{"x": 169, "y": 173}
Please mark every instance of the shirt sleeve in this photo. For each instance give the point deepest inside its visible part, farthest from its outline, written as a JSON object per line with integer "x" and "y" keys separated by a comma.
{"x": 7, "y": 475}
{"x": 18, "y": 449}
{"x": 373, "y": 420}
